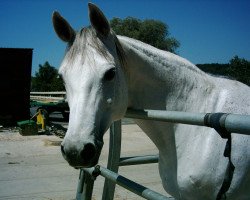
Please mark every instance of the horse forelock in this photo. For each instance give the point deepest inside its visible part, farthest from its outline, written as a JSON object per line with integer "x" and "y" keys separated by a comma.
{"x": 88, "y": 36}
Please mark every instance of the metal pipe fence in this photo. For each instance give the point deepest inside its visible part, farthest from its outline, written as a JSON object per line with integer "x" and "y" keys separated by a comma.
{"x": 132, "y": 186}
{"x": 233, "y": 123}
{"x": 138, "y": 160}
{"x": 229, "y": 123}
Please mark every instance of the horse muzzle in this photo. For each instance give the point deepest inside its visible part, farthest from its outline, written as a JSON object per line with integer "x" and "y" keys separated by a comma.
{"x": 81, "y": 155}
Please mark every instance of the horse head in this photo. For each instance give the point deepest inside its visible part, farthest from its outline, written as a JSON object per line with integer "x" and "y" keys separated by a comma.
{"x": 95, "y": 82}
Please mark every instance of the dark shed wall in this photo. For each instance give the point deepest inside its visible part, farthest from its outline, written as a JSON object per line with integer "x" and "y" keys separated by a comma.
{"x": 15, "y": 78}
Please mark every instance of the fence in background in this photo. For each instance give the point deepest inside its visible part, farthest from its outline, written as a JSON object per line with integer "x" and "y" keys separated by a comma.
{"x": 47, "y": 96}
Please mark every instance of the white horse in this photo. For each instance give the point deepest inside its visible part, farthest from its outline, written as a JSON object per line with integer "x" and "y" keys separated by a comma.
{"x": 105, "y": 74}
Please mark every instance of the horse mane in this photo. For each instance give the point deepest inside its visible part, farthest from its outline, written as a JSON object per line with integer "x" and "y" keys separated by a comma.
{"x": 162, "y": 57}
{"x": 88, "y": 36}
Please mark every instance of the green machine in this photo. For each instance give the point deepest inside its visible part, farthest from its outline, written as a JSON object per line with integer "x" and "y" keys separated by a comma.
{"x": 38, "y": 122}
{"x": 50, "y": 107}
{"x": 31, "y": 127}
{"x": 27, "y": 127}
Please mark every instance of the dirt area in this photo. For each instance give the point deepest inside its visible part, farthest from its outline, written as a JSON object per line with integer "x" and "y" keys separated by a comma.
{"x": 32, "y": 167}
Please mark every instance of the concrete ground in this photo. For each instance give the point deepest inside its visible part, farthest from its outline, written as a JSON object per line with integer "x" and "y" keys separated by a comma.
{"x": 31, "y": 167}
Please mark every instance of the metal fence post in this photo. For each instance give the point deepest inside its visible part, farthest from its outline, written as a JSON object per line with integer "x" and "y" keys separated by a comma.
{"x": 113, "y": 159}
{"x": 85, "y": 186}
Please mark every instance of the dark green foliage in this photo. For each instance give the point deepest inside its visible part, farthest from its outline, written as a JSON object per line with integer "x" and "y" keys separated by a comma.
{"x": 152, "y": 32}
{"x": 237, "y": 69}
{"x": 47, "y": 79}
{"x": 215, "y": 69}
{"x": 240, "y": 69}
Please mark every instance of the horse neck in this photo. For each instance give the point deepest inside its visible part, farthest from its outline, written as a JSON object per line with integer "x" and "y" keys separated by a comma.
{"x": 159, "y": 79}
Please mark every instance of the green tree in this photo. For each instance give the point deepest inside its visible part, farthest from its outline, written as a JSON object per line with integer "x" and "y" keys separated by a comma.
{"x": 47, "y": 79}
{"x": 237, "y": 69}
{"x": 153, "y": 32}
{"x": 215, "y": 69}
{"x": 240, "y": 69}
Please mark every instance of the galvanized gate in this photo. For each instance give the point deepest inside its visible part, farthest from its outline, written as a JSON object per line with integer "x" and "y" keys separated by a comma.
{"x": 228, "y": 123}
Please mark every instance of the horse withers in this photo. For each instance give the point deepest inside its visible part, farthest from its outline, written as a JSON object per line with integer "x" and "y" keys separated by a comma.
{"x": 105, "y": 74}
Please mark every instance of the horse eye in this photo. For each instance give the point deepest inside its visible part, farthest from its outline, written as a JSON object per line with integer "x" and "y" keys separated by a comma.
{"x": 110, "y": 74}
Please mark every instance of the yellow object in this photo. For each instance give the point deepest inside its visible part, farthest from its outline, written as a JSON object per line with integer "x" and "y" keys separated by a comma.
{"x": 41, "y": 119}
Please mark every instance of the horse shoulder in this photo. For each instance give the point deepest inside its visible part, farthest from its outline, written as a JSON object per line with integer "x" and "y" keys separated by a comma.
{"x": 188, "y": 164}
{"x": 201, "y": 164}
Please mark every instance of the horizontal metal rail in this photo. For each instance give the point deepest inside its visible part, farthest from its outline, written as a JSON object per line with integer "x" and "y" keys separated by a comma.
{"x": 51, "y": 96}
{"x": 233, "y": 123}
{"x": 32, "y": 97}
{"x": 138, "y": 160}
{"x": 49, "y": 93}
{"x": 126, "y": 183}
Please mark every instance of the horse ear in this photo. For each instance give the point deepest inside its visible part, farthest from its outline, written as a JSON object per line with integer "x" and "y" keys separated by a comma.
{"x": 62, "y": 28}
{"x": 98, "y": 20}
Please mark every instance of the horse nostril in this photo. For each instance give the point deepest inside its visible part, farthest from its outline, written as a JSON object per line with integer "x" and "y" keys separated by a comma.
{"x": 88, "y": 152}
